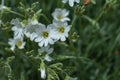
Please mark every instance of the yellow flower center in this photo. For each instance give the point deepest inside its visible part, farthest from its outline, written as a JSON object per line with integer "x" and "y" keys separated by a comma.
{"x": 59, "y": 17}
{"x": 19, "y": 43}
{"x": 61, "y": 29}
{"x": 45, "y": 34}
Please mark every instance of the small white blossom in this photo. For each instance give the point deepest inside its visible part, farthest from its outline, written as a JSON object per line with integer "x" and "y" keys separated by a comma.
{"x": 44, "y": 36}
{"x": 30, "y": 29}
{"x": 46, "y": 51}
{"x": 42, "y": 70}
{"x": 18, "y": 28}
{"x": 71, "y": 2}
{"x": 60, "y": 15}
{"x": 16, "y": 42}
{"x": 33, "y": 21}
{"x": 61, "y": 30}
{"x": 2, "y": 7}
{"x": 43, "y": 74}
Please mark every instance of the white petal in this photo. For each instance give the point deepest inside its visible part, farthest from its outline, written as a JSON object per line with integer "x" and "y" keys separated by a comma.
{"x": 63, "y": 38}
{"x": 43, "y": 74}
{"x": 66, "y": 13}
{"x": 71, "y": 3}
{"x": 46, "y": 43}
{"x": 64, "y": 1}
{"x": 77, "y": 1}
{"x": 22, "y": 46}
{"x": 41, "y": 43}
{"x": 38, "y": 39}
{"x": 12, "y": 47}
{"x": 48, "y": 58}
{"x": 50, "y": 50}
{"x": 65, "y": 19}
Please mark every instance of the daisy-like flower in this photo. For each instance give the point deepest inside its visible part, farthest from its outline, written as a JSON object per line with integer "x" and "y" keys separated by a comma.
{"x": 31, "y": 28}
{"x": 16, "y": 42}
{"x": 71, "y": 2}
{"x": 61, "y": 30}
{"x": 18, "y": 28}
{"x": 44, "y": 36}
{"x": 60, "y": 15}
{"x": 46, "y": 51}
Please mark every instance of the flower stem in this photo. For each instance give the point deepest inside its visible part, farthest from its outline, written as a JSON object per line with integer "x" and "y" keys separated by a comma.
{"x": 102, "y": 11}
{"x": 45, "y": 18}
{"x": 2, "y": 3}
{"x": 73, "y": 21}
{"x": 16, "y": 13}
{"x": 3, "y": 44}
{"x": 99, "y": 16}
{"x": 70, "y": 34}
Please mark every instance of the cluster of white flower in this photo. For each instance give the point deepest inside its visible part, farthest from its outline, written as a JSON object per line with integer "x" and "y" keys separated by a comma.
{"x": 40, "y": 33}
{"x": 43, "y": 35}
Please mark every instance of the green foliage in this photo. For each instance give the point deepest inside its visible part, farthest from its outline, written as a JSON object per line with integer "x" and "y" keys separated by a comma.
{"x": 91, "y": 52}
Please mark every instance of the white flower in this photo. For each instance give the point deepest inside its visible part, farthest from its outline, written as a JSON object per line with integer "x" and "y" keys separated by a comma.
{"x": 60, "y": 15}
{"x": 33, "y": 21}
{"x": 16, "y": 42}
{"x": 43, "y": 74}
{"x": 42, "y": 70}
{"x": 2, "y": 7}
{"x": 71, "y": 2}
{"x": 44, "y": 36}
{"x": 46, "y": 51}
{"x": 61, "y": 30}
{"x": 18, "y": 28}
{"x": 30, "y": 29}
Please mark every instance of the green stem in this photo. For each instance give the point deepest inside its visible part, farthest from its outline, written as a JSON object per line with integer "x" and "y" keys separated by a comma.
{"x": 71, "y": 57}
{"x": 58, "y": 2}
{"x": 70, "y": 34}
{"x": 99, "y": 16}
{"x": 3, "y": 44}
{"x": 2, "y": 4}
{"x": 16, "y": 13}
{"x": 87, "y": 18}
{"x": 101, "y": 12}
{"x": 73, "y": 21}
{"x": 45, "y": 18}
{"x": 1, "y": 14}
